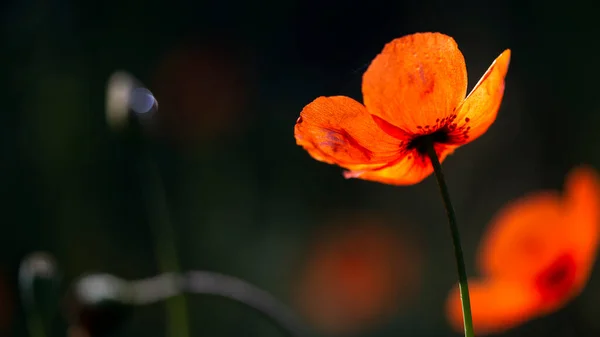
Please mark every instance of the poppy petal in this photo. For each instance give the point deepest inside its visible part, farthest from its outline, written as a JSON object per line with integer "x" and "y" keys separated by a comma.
{"x": 338, "y": 130}
{"x": 556, "y": 283}
{"x": 496, "y": 306}
{"x": 582, "y": 203}
{"x": 411, "y": 169}
{"x": 416, "y": 81}
{"x": 528, "y": 232}
{"x": 480, "y": 108}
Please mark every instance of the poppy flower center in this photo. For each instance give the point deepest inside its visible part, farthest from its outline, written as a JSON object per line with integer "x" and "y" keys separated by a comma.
{"x": 445, "y": 131}
{"x": 555, "y": 282}
{"x": 421, "y": 142}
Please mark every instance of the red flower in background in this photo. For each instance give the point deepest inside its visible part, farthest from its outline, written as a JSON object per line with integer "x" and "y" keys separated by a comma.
{"x": 536, "y": 256}
{"x": 356, "y": 275}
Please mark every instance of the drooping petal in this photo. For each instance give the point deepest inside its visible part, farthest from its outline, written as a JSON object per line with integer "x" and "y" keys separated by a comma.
{"x": 416, "y": 81}
{"x": 410, "y": 169}
{"x": 529, "y": 233}
{"x": 480, "y": 108}
{"x": 338, "y": 130}
{"x": 582, "y": 207}
{"x": 496, "y": 306}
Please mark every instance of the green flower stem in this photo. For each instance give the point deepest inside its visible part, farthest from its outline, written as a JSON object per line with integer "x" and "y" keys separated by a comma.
{"x": 164, "y": 237}
{"x": 35, "y": 324}
{"x": 458, "y": 254}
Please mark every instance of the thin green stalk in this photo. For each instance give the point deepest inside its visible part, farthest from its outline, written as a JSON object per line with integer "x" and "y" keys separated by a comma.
{"x": 35, "y": 324}
{"x": 458, "y": 254}
{"x": 164, "y": 238}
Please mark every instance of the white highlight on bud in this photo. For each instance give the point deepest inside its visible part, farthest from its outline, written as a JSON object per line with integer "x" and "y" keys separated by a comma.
{"x": 124, "y": 93}
{"x": 118, "y": 92}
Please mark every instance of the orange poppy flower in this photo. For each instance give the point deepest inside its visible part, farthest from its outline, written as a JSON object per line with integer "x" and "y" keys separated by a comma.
{"x": 414, "y": 92}
{"x": 536, "y": 256}
{"x": 356, "y": 276}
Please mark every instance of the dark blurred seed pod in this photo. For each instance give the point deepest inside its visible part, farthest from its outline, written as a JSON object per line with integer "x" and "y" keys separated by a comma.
{"x": 126, "y": 98}
{"x": 99, "y": 304}
{"x": 39, "y": 282}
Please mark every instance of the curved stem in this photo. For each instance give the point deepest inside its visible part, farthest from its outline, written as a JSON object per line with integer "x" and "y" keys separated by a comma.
{"x": 164, "y": 237}
{"x": 106, "y": 287}
{"x": 210, "y": 283}
{"x": 458, "y": 254}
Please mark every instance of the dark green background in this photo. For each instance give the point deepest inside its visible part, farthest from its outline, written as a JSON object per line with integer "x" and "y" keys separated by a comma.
{"x": 245, "y": 200}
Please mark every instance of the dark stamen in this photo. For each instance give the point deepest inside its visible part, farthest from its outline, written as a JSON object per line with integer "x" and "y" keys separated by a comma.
{"x": 420, "y": 143}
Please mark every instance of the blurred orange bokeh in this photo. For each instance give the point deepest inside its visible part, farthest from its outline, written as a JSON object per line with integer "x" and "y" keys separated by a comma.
{"x": 536, "y": 256}
{"x": 357, "y": 273}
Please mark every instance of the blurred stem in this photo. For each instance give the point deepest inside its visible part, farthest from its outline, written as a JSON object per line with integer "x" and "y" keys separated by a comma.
{"x": 164, "y": 238}
{"x": 200, "y": 282}
{"x": 458, "y": 254}
{"x": 238, "y": 290}
{"x": 35, "y": 324}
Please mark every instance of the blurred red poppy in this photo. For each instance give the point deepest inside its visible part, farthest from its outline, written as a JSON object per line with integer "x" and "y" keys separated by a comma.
{"x": 536, "y": 256}
{"x": 357, "y": 274}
